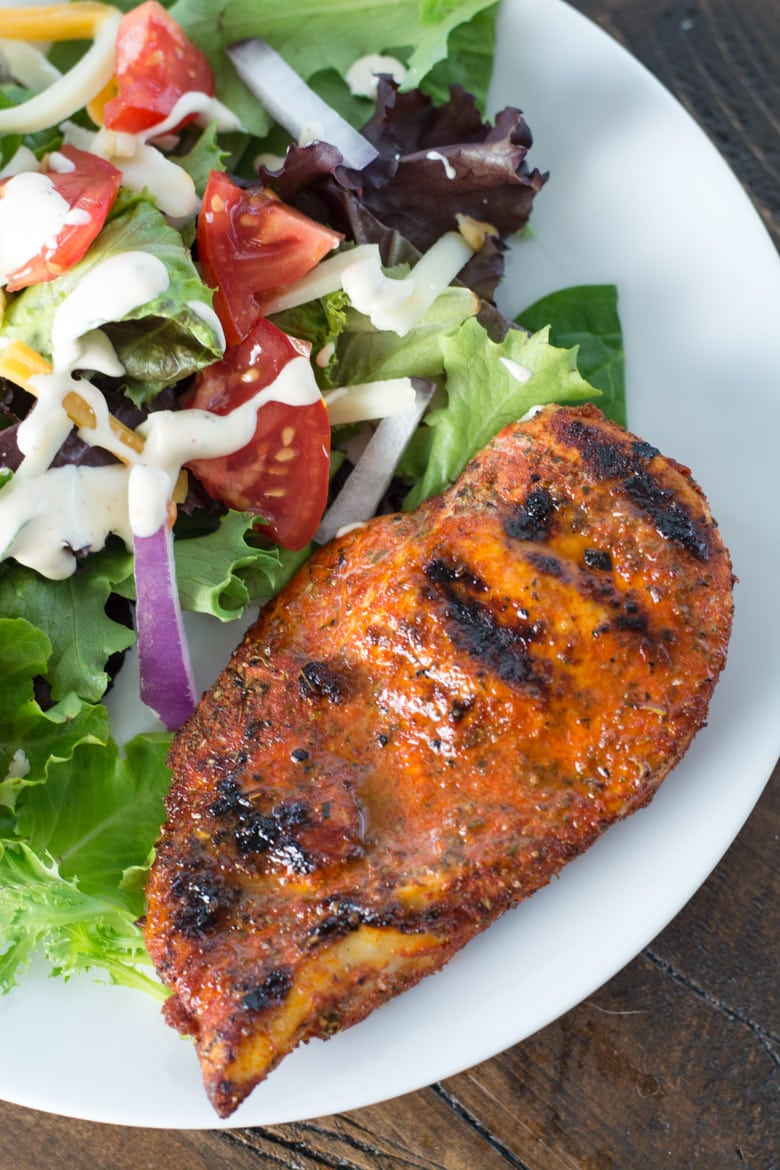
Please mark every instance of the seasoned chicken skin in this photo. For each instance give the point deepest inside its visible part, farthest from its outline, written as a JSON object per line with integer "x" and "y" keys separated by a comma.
{"x": 440, "y": 710}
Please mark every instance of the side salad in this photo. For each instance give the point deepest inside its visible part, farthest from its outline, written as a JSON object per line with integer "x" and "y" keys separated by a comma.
{"x": 209, "y": 300}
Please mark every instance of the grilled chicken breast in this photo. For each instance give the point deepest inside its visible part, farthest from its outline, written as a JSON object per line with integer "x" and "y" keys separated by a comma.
{"x": 440, "y": 710}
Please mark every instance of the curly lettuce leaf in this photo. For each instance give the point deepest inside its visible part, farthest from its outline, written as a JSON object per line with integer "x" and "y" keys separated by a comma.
{"x": 99, "y": 815}
{"x": 225, "y": 569}
{"x": 72, "y": 613}
{"x": 223, "y": 572}
{"x": 366, "y": 354}
{"x": 77, "y": 827}
{"x": 159, "y": 343}
{"x": 42, "y": 912}
{"x": 489, "y": 384}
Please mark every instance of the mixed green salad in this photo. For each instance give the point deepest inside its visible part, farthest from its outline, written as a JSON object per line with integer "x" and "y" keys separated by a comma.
{"x": 261, "y": 236}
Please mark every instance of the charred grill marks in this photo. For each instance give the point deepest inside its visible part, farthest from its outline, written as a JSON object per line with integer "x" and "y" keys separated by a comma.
{"x": 255, "y": 832}
{"x": 200, "y": 898}
{"x": 531, "y": 519}
{"x": 671, "y": 519}
{"x": 320, "y": 679}
{"x": 343, "y": 915}
{"x": 474, "y": 628}
{"x": 595, "y": 558}
{"x": 608, "y": 459}
{"x": 272, "y": 991}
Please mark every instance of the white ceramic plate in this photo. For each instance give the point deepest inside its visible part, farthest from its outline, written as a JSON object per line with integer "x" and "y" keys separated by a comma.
{"x": 637, "y": 196}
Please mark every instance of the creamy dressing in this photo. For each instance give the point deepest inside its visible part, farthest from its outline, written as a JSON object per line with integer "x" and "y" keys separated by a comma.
{"x": 108, "y": 292}
{"x": 143, "y": 166}
{"x": 398, "y": 305}
{"x": 519, "y": 372}
{"x": 389, "y": 303}
{"x": 45, "y": 519}
{"x": 47, "y": 514}
{"x": 207, "y": 314}
{"x": 32, "y": 215}
{"x": 206, "y": 110}
{"x": 437, "y": 156}
{"x": 362, "y": 76}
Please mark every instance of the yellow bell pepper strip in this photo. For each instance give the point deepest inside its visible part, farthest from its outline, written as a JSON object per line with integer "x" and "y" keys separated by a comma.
{"x": 80, "y": 20}
{"x": 96, "y": 106}
{"x": 77, "y": 21}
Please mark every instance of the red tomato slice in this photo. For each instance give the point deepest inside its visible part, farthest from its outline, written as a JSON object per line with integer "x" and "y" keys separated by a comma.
{"x": 282, "y": 475}
{"x": 250, "y": 243}
{"x": 89, "y": 191}
{"x": 155, "y": 65}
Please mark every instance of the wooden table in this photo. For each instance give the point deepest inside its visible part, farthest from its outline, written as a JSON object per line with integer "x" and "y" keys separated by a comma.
{"x": 674, "y": 1063}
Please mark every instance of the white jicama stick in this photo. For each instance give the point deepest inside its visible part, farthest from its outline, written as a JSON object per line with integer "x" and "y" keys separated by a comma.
{"x": 360, "y": 496}
{"x": 291, "y": 102}
{"x": 370, "y": 400}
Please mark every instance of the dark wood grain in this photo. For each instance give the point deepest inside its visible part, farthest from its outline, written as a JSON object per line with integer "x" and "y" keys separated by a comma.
{"x": 675, "y": 1063}
{"x": 722, "y": 60}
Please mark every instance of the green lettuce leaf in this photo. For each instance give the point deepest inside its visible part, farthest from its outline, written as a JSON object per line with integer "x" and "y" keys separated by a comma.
{"x": 223, "y": 572}
{"x": 77, "y": 827}
{"x": 43, "y": 912}
{"x": 33, "y": 740}
{"x": 158, "y": 343}
{"x": 366, "y": 354}
{"x": 483, "y": 395}
{"x": 204, "y": 156}
{"x": 586, "y": 316}
{"x": 315, "y": 37}
{"x": 99, "y": 815}
{"x": 72, "y": 613}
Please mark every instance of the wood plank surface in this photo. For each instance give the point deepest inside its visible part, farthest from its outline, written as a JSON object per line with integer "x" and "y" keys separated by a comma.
{"x": 675, "y": 1063}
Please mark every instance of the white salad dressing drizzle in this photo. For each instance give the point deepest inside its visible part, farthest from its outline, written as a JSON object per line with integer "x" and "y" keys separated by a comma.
{"x": 207, "y": 314}
{"x": 437, "y": 156}
{"x": 205, "y": 108}
{"x": 519, "y": 372}
{"x": 390, "y": 303}
{"x": 46, "y": 518}
{"x": 143, "y": 166}
{"x": 47, "y": 514}
{"x": 32, "y": 215}
{"x": 362, "y": 75}
{"x": 108, "y": 292}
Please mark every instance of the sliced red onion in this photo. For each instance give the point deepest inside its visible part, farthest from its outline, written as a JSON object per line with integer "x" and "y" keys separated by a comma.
{"x": 167, "y": 680}
{"x": 290, "y": 101}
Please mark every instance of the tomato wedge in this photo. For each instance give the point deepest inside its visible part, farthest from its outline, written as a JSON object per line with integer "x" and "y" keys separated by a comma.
{"x": 89, "y": 190}
{"x": 249, "y": 243}
{"x": 155, "y": 65}
{"x": 282, "y": 474}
